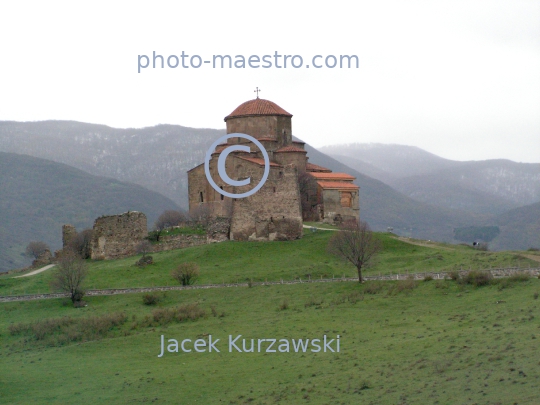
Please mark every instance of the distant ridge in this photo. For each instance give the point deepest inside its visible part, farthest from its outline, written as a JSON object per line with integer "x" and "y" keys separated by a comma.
{"x": 482, "y": 187}
{"x": 158, "y": 158}
{"x": 38, "y": 196}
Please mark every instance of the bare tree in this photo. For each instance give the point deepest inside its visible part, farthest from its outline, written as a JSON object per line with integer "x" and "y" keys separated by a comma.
{"x": 170, "y": 218}
{"x": 355, "y": 243}
{"x": 167, "y": 220}
{"x": 36, "y": 249}
{"x": 143, "y": 248}
{"x": 81, "y": 243}
{"x": 70, "y": 275}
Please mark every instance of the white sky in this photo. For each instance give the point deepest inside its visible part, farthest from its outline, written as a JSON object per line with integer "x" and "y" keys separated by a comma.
{"x": 459, "y": 79}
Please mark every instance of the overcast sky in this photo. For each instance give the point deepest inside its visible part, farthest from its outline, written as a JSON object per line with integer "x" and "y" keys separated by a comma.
{"x": 459, "y": 79}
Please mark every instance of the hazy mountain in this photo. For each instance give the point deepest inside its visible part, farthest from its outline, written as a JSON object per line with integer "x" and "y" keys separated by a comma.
{"x": 490, "y": 186}
{"x": 520, "y": 229}
{"x": 156, "y": 157}
{"x": 397, "y": 160}
{"x": 38, "y": 196}
{"x": 159, "y": 157}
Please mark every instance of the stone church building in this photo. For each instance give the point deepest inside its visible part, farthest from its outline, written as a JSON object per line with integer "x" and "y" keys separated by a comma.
{"x": 295, "y": 189}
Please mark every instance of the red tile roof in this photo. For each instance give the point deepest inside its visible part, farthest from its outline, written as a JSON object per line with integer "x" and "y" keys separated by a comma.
{"x": 333, "y": 176}
{"x": 258, "y": 161}
{"x": 291, "y": 148}
{"x": 256, "y": 107}
{"x": 339, "y": 185}
{"x": 299, "y": 142}
{"x": 310, "y": 167}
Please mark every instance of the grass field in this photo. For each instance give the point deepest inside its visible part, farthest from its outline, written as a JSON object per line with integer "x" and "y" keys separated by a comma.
{"x": 439, "y": 343}
{"x": 231, "y": 262}
{"x": 431, "y": 342}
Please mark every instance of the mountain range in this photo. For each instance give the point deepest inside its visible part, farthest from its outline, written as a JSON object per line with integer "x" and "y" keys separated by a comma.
{"x": 414, "y": 192}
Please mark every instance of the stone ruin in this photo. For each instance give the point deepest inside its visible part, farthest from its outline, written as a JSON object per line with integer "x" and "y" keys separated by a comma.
{"x": 116, "y": 236}
{"x": 113, "y": 236}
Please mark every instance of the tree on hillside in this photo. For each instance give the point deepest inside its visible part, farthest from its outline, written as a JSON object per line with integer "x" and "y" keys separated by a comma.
{"x": 308, "y": 196}
{"x": 144, "y": 247}
{"x": 80, "y": 244}
{"x": 168, "y": 219}
{"x": 355, "y": 243}
{"x": 36, "y": 249}
{"x": 69, "y": 277}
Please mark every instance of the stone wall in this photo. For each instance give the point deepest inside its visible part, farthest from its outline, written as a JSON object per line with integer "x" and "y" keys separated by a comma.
{"x": 68, "y": 234}
{"x": 298, "y": 159}
{"x": 331, "y": 206}
{"x": 260, "y": 126}
{"x": 178, "y": 242}
{"x": 117, "y": 236}
{"x": 272, "y": 213}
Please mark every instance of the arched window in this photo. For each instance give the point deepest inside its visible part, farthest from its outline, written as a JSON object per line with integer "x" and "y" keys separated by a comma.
{"x": 201, "y": 198}
{"x": 222, "y": 196}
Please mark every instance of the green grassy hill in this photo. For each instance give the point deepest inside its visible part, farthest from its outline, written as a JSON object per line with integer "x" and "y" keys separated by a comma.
{"x": 234, "y": 262}
{"x": 400, "y": 342}
{"x": 38, "y": 196}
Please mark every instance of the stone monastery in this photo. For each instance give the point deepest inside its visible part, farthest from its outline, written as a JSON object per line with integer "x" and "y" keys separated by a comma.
{"x": 295, "y": 189}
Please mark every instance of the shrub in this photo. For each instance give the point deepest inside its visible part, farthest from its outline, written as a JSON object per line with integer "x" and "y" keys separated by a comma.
{"x": 150, "y": 299}
{"x": 373, "y": 287}
{"x": 284, "y": 305}
{"x": 454, "y": 275}
{"x": 477, "y": 278}
{"x": 441, "y": 284}
{"x": 58, "y": 331}
{"x": 164, "y": 316}
{"x": 428, "y": 278}
{"x": 144, "y": 261}
{"x": 533, "y": 249}
{"x": 313, "y": 302}
{"x": 186, "y": 273}
{"x": 519, "y": 277}
{"x": 535, "y": 296}
{"x": 355, "y": 296}
{"x": 403, "y": 285}
{"x": 36, "y": 249}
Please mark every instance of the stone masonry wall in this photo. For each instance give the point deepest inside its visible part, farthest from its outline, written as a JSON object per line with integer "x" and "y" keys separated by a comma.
{"x": 178, "y": 242}
{"x": 117, "y": 236}
{"x": 68, "y": 234}
{"x": 259, "y": 126}
{"x": 274, "y": 212}
{"x": 332, "y": 206}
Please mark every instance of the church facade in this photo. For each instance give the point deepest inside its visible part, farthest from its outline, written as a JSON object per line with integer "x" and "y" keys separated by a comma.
{"x": 294, "y": 190}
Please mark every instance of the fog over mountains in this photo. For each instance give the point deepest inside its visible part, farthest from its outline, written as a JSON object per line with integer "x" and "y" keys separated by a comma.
{"x": 415, "y": 192}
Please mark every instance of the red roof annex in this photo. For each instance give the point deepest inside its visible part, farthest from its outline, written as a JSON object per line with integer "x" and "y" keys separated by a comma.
{"x": 339, "y": 185}
{"x": 333, "y": 176}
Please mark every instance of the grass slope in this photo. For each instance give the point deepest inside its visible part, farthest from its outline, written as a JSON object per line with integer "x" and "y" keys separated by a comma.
{"x": 437, "y": 344}
{"x": 231, "y": 262}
